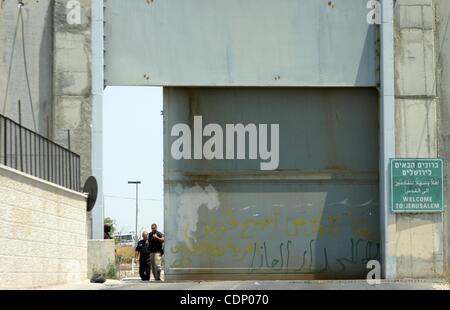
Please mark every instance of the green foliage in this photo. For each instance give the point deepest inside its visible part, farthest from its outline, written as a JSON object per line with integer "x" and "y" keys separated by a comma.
{"x": 111, "y": 272}
{"x": 109, "y": 221}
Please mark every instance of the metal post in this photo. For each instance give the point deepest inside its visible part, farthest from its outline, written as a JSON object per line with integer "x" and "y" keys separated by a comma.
{"x": 35, "y": 154}
{"x": 137, "y": 213}
{"x": 68, "y": 139}
{"x": 137, "y": 208}
{"x": 48, "y": 162}
{"x": 5, "y": 140}
{"x": 15, "y": 146}
{"x": 20, "y": 112}
{"x": 20, "y": 135}
{"x": 21, "y": 149}
{"x": 69, "y": 160}
{"x": 39, "y": 173}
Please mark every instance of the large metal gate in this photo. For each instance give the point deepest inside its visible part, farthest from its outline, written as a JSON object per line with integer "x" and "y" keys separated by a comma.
{"x": 309, "y": 66}
{"x": 317, "y": 214}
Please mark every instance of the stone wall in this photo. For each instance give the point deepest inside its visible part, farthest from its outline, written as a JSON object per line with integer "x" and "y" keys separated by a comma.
{"x": 43, "y": 236}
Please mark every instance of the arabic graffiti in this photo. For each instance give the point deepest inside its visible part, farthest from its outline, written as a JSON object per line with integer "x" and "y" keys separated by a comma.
{"x": 313, "y": 259}
{"x": 316, "y": 233}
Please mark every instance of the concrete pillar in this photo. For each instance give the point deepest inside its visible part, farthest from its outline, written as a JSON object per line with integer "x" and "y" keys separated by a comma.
{"x": 97, "y": 114}
{"x": 387, "y": 134}
{"x": 442, "y": 9}
{"x": 72, "y": 82}
{"x": 416, "y": 239}
{"x": 73, "y": 90}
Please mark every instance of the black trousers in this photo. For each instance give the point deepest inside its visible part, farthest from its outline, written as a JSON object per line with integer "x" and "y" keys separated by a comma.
{"x": 144, "y": 269}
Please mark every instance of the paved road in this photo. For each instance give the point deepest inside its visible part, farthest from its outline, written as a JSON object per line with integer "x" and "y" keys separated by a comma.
{"x": 136, "y": 284}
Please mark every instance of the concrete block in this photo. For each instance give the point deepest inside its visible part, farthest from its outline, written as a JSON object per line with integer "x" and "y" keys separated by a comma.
{"x": 70, "y": 116}
{"x": 71, "y": 60}
{"x": 415, "y": 16}
{"x": 415, "y": 63}
{"x": 414, "y": 2}
{"x": 74, "y": 113}
{"x": 71, "y": 40}
{"x": 101, "y": 254}
{"x": 403, "y": 248}
{"x": 416, "y": 238}
{"x": 422, "y": 237}
{"x": 73, "y": 83}
{"x": 428, "y": 17}
{"x": 416, "y": 127}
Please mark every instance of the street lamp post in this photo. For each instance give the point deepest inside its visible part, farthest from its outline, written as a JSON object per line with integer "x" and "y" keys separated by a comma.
{"x": 137, "y": 208}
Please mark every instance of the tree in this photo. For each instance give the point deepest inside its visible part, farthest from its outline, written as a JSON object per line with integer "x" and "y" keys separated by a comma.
{"x": 112, "y": 224}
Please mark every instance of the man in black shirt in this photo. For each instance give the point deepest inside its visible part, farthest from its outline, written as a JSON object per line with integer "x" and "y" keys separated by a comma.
{"x": 143, "y": 256}
{"x": 156, "y": 251}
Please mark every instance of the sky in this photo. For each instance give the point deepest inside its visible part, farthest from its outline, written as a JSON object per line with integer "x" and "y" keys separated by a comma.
{"x": 133, "y": 150}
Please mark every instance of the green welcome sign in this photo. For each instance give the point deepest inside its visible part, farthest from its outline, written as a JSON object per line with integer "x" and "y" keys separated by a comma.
{"x": 417, "y": 185}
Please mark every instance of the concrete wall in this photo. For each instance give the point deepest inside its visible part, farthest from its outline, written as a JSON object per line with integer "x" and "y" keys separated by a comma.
{"x": 101, "y": 255}
{"x": 73, "y": 95}
{"x": 416, "y": 239}
{"x": 97, "y": 114}
{"x": 38, "y": 40}
{"x": 58, "y": 56}
{"x": 73, "y": 82}
{"x": 42, "y": 233}
{"x": 443, "y": 79}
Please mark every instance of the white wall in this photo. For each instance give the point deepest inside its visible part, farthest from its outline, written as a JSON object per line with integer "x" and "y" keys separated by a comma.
{"x": 43, "y": 236}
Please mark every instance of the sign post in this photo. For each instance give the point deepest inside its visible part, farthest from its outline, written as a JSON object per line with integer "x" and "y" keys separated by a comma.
{"x": 417, "y": 185}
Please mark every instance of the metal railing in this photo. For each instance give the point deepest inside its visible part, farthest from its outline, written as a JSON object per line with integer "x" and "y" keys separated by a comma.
{"x": 31, "y": 153}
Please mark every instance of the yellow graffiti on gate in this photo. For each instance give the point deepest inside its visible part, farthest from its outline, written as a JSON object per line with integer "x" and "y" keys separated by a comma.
{"x": 235, "y": 234}
{"x": 254, "y": 225}
{"x": 207, "y": 248}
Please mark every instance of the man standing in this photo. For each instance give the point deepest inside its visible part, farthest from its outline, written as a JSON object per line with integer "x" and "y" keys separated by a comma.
{"x": 143, "y": 256}
{"x": 156, "y": 251}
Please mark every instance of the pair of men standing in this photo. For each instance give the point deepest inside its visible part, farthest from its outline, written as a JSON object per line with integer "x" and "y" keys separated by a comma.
{"x": 149, "y": 251}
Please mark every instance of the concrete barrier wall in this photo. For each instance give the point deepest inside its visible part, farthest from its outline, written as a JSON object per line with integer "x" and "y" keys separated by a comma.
{"x": 442, "y": 9}
{"x": 38, "y": 45}
{"x": 417, "y": 239}
{"x": 43, "y": 238}
{"x": 101, "y": 256}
